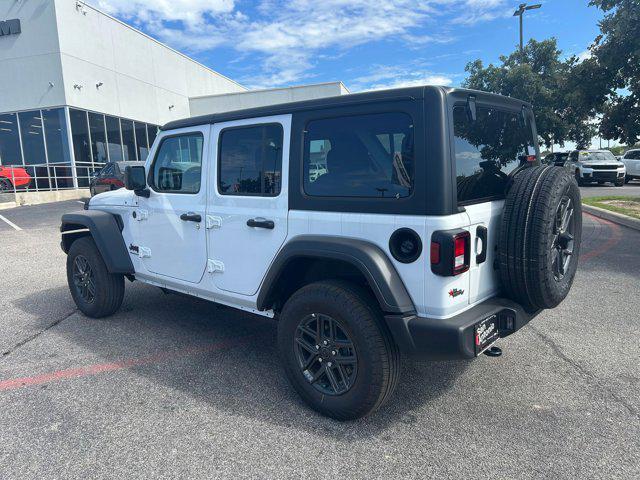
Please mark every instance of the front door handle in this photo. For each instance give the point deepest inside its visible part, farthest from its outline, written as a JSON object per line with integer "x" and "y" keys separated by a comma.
{"x": 260, "y": 223}
{"x": 191, "y": 217}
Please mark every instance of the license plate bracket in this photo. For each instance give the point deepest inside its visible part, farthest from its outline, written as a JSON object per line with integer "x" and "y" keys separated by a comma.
{"x": 486, "y": 333}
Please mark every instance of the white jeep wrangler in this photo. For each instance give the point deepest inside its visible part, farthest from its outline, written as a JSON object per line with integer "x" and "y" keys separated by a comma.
{"x": 413, "y": 221}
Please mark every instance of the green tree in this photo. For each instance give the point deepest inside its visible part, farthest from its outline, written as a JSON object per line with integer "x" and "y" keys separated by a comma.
{"x": 616, "y": 61}
{"x": 539, "y": 76}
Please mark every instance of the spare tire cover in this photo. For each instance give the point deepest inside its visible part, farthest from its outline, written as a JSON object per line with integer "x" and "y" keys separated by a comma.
{"x": 539, "y": 240}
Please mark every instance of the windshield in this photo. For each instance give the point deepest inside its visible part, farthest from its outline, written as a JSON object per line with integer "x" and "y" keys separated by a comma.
{"x": 597, "y": 157}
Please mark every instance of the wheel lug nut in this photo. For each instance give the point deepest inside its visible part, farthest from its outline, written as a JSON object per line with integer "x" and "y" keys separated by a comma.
{"x": 320, "y": 359}
{"x": 333, "y": 352}
{"x": 325, "y": 343}
{"x": 329, "y": 364}
{"x": 317, "y": 347}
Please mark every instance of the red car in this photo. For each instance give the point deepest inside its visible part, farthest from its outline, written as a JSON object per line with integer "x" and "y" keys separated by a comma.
{"x": 13, "y": 177}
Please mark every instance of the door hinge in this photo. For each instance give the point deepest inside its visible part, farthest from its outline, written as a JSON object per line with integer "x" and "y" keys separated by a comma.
{"x": 144, "y": 252}
{"x": 214, "y": 221}
{"x": 214, "y": 266}
{"x": 140, "y": 214}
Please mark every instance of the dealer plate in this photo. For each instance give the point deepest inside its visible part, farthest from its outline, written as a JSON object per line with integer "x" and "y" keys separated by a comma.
{"x": 486, "y": 333}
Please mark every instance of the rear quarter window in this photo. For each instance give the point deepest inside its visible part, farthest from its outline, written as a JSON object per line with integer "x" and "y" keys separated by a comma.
{"x": 487, "y": 150}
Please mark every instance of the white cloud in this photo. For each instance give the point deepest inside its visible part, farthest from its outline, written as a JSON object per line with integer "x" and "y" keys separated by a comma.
{"x": 288, "y": 36}
{"x": 385, "y": 77}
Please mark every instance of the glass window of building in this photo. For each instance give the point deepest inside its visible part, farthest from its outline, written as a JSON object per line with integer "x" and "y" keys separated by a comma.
{"x": 56, "y": 137}
{"x": 128, "y": 139}
{"x": 114, "y": 141}
{"x": 152, "y": 132}
{"x": 98, "y": 137}
{"x": 80, "y": 136}
{"x": 32, "y": 137}
{"x": 141, "y": 141}
{"x": 10, "y": 153}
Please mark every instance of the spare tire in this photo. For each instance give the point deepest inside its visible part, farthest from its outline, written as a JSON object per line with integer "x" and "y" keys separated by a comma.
{"x": 540, "y": 235}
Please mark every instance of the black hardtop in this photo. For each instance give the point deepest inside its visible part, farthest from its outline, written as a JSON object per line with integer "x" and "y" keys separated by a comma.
{"x": 412, "y": 93}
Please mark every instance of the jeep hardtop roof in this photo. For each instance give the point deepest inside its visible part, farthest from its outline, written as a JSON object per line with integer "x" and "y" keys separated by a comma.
{"x": 454, "y": 94}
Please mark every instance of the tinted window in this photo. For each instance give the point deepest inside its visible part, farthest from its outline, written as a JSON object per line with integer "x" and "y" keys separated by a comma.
{"x": 152, "y": 131}
{"x": 251, "y": 160}
{"x": 55, "y": 131}
{"x": 633, "y": 155}
{"x": 98, "y": 137}
{"x": 114, "y": 141}
{"x": 359, "y": 156}
{"x": 80, "y": 135}
{"x": 487, "y": 150}
{"x": 10, "y": 153}
{"x": 128, "y": 140}
{"x": 32, "y": 137}
{"x": 177, "y": 166}
{"x": 141, "y": 141}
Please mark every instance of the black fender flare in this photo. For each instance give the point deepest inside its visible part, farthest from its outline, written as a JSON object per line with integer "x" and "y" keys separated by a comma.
{"x": 106, "y": 230}
{"x": 368, "y": 258}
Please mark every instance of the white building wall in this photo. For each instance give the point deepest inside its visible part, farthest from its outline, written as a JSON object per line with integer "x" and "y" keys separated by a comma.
{"x": 30, "y": 60}
{"x": 141, "y": 78}
{"x": 205, "y": 105}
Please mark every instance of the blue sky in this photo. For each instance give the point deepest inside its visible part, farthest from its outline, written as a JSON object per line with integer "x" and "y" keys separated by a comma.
{"x": 366, "y": 44}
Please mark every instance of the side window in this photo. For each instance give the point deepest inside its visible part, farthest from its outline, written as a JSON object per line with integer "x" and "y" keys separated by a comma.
{"x": 177, "y": 167}
{"x": 250, "y": 160}
{"x": 573, "y": 157}
{"x": 367, "y": 156}
{"x": 487, "y": 150}
{"x": 107, "y": 170}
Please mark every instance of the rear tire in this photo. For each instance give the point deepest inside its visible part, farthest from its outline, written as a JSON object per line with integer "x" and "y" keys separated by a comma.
{"x": 361, "y": 387}
{"x": 97, "y": 292}
{"x": 620, "y": 183}
{"x": 539, "y": 241}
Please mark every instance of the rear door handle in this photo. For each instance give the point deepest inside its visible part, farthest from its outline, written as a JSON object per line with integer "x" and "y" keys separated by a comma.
{"x": 260, "y": 223}
{"x": 191, "y": 217}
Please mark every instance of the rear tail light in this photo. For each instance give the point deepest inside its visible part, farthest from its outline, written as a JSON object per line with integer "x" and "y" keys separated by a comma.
{"x": 450, "y": 252}
{"x": 531, "y": 158}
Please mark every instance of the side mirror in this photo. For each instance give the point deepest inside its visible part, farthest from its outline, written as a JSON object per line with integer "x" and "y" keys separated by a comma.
{"x": 135, "y": 178}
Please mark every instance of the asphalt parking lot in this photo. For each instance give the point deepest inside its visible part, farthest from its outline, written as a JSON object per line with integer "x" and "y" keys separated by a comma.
{"x": 631, "y": 189}
{"x": 173, "y": 387}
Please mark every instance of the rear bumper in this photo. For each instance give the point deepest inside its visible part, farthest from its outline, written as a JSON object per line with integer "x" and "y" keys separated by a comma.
{"x": 454, "y": 338}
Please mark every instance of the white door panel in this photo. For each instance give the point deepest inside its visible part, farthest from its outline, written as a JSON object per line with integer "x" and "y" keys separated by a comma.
{"x": 483, "y": 278}
{"x": 174, "y": 247}
{"x": 241, "y": 254}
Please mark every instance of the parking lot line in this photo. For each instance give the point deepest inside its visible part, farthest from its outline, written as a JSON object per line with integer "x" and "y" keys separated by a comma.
{"x": 10, "y": 223}
{"x": 89, "y": 370}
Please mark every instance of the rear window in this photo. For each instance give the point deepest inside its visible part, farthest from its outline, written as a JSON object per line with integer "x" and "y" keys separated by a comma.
{"x": 487, "y": 150}
{"x": 359, "y": 156}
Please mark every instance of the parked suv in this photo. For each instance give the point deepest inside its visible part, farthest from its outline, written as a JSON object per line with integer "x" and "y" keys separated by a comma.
{"x": 598, "y": 166}
{"x": 431, "y": 230}
{"x": 631, "y": 160}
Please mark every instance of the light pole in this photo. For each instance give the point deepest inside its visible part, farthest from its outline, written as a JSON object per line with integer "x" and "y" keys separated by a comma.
{"x": 519, "y": 13}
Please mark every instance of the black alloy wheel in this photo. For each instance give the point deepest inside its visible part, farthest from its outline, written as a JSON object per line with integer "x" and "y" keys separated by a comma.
{"x": 326, "y": 354}
{"x": 84, "y": 279}
{"x": 562, "y": 245}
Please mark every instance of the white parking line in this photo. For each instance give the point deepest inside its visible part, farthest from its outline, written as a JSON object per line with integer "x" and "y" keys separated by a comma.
{"x": 10, "y": 223}
{"x": 80, "y": 202}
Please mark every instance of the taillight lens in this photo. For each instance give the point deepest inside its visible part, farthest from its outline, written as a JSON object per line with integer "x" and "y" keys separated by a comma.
{"x": 461, "y": 254}
{"x": 450, "y": 252}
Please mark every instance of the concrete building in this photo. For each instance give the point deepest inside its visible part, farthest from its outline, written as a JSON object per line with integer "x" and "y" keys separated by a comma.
{"x": 80, "y": 88}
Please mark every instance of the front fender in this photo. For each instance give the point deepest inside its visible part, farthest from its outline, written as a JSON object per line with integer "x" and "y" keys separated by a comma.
{"x": 106, "y": 230}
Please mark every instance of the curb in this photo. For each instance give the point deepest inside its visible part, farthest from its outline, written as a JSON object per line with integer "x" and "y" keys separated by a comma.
{"x": 618, "y": 218}
{"x": 6, "y": 205}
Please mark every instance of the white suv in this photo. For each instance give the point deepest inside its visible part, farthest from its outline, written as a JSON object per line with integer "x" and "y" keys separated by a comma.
{"x": 631, "y": 160}
{"x": 596, "y": 166}
{"x": 430, "y": 230}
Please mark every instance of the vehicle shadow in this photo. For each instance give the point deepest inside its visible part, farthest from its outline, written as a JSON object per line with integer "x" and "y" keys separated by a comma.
{"x": 241, "y": 378}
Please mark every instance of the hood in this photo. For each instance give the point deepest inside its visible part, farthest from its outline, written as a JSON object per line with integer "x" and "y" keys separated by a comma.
{"x": 120, "y": 197}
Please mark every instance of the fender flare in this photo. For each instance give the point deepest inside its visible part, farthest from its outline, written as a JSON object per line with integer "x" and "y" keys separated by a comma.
{"x": 368, "y": 258}
{"x": 106, "y": 230}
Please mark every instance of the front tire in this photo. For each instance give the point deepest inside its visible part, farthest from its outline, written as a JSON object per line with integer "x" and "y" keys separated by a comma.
{"x": 337, "y": 351}
{"x": 620, "y": 183}
{"x": 97, "y": 292}
{"x": 579, "y": 179}
{"x": 5, "y": 185}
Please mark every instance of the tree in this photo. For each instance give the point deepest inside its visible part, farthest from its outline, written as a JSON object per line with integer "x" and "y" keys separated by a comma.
{"x": 616, "y": 59}
{"x": 539, "y": 76}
